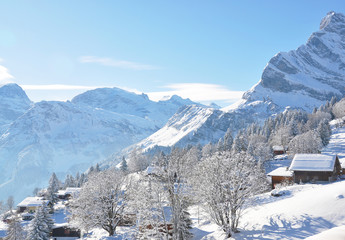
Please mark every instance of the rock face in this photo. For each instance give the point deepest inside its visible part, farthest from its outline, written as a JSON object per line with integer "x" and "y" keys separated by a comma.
{"x": 120, "y": 101}
{"x": 66, "y": 137}
{"x": 13, "y": 103}
{"x": 304, "y": 78}
{"x": 307, "y": 77}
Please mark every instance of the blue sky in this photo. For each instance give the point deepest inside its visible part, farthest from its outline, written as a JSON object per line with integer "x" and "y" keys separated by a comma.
{"x": 205, "y": 50}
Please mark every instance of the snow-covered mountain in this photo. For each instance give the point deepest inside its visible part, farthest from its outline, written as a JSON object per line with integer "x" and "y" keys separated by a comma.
{"x": 304, "y": 78}
{"x": 308, "y": 76}
{"x": 13, "y": 103}
{"x": 199, "y": 125}
{"x": 121, "y": 101}
{"x": 67, "y": 137}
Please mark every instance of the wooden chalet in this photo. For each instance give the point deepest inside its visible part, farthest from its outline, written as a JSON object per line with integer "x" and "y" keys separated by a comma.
{"x": 64, "y": 232}
{"x": 278, "y": 150}
{"x": 280, "y": 175}
{"x": 68, "y": 193}
{"x": 30, "y": 204}
{"x": 315, "y": 167}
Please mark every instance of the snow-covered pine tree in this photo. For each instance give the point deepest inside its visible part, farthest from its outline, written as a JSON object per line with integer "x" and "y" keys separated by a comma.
{"x": 124, "y": 166}
{"x": 47, "y": 218}
{"x": 309, "y": 142}
{"x": 69, "y": 181}
{"x": 54, "y": 186}
{"x": 38, "y": 228}
{"x": 15, "y": 230}
{"x": 228, "y": 140}
{"x": 324, "y": 131}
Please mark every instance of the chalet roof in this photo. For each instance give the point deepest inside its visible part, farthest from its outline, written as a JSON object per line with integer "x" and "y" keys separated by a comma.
{"x": 278, "y": 148}
{"x": 69, "y": 190}
{"x": 281, "y": 172}
{"x": 63, "y": 225}
{"x": 313, "y": 163}
{"x": 32, "y": 202}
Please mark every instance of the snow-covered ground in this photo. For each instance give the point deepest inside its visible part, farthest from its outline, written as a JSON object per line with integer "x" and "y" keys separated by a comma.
{"x": 337, "y": 142}
{"x": 304, "y": 211}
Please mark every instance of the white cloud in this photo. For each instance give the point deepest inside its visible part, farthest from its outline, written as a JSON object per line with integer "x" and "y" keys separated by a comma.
{"x": 117, "y": 63}
{"x": 58, "y": 87}
{"x": 199, "y": 92}
{"x": 71, "y": 87}
{"x": 5, "y": 76}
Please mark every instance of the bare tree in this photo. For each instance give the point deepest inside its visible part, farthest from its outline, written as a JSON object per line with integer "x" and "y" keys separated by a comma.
{"x": 225, "y": 182}
{"x": 176, "y": 178}
{"x": 10, "y": 203}
{"x": 148, "y": 197}
{"x": 101, "y": 202}
{"x": 137, "y": 161}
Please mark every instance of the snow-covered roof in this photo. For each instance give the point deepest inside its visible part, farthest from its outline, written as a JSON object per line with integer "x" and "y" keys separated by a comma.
{"x": 32, "y": 202}
{"x": 282, "y": 172}
{"x": 313, "y": 162}
{"x": 65, "y": 224}
{"x": 278, "y": 148}
{"x": 69, "y": 190}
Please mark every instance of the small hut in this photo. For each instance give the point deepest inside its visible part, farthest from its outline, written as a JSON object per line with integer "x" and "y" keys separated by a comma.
{"x": 280, "y": 175}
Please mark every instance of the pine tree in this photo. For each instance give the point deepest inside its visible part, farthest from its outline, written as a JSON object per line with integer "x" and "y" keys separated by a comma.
{"x": 124, "y": 166}
{"x": 228, "y": 140}
{"x": 185, "y": 224}
{"x": 325, "y": 132}
{"x": 54, "y": 186}
{"x": 15, "y": 230}
{"x": 39, "y": 227}
{"x": 47, "y": 217}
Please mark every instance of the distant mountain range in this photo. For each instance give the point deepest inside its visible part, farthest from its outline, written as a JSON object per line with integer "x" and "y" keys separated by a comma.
{"x": 65, "y": 137}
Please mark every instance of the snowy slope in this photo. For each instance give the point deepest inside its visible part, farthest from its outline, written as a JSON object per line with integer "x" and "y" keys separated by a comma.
{"x": 200, "y": 125}
{"x": 308, "y": 210}
{"x": 304, "y": 211}
{"x": 337, "y": 141}
{"x": 308, "y": 76}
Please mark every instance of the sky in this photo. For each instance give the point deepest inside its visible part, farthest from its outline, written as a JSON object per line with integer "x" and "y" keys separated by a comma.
{"x": 208, "y": 51}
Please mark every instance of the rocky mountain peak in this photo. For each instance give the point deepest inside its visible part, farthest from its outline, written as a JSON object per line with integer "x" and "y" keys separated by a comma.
{"x": 12, "y": 90}
{"x": 333, "y": 22}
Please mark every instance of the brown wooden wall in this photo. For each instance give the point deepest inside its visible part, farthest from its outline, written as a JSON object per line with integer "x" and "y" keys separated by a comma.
{"x": 312, "y": 176}
{"x": 279, "y": 179}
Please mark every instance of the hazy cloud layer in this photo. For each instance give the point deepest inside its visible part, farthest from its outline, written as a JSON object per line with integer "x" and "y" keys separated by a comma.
{"x": 117, "y": 63}
{"x": 199, "y": 92}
